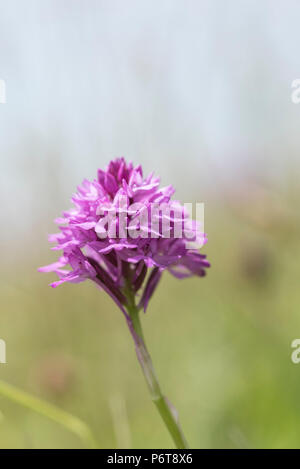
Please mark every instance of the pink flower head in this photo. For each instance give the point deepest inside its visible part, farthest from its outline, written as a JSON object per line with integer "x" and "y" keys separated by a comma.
{"x": 125, "y": 229}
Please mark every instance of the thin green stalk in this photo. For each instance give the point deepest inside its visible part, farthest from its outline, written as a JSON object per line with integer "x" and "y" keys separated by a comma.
{"x": 74, "y": 424}
{"x": 166, "y": 410}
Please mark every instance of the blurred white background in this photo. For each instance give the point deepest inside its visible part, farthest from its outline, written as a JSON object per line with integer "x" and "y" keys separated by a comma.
{"x": 198, "y": 90}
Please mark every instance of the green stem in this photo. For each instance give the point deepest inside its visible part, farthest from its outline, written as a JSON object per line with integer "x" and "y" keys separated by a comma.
{"x": 50, "y": 411}
{"x": 166, "y": 410}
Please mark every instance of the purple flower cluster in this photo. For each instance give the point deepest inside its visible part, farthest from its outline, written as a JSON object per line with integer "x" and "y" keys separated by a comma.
{"x": 117, "y": 260}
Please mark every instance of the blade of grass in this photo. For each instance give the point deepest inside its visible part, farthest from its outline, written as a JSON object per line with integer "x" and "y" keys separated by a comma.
{"x": 72, "y": 423}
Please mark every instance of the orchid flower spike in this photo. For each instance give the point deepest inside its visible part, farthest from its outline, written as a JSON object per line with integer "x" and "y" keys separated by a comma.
{"x": 123, "y": 232}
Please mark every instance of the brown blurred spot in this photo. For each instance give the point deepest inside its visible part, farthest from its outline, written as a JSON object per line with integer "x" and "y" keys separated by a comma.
{"x": 55, "y": 374}
{"x": 255, "y": 262}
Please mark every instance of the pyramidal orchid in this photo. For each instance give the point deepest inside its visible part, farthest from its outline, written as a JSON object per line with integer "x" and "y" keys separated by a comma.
{"x": 122, "y": 233}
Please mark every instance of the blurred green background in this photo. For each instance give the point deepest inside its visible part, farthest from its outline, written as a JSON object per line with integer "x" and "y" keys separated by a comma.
{"x": 199, "y": 93}
{"x": 221, "y": 346}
